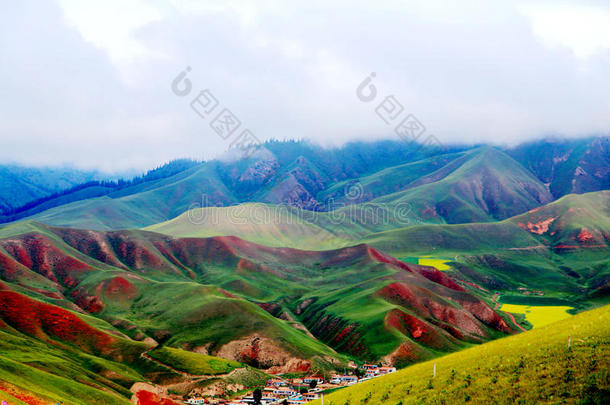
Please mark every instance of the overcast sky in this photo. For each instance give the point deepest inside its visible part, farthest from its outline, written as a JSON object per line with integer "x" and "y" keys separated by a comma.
{"x": 88, "y": 83}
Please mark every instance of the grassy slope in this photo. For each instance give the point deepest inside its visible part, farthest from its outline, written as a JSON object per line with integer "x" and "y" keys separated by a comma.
{"x": 267, "y": 224}
{"x": 530, "y": 368}
{"x": 56, "y": 370}
{"x": 571, "y": 214}
{"x": 478, "y": 185}
{"x": 143, "y": 204}
{"x": 499, "y": 251}
{"x": 378, "y": 220}
{"x": 193, "y": 363}
{"x": 196, "y": 320}
{"x": 511, "y": 256}
{"x": 389, "y": 180}
{"x": 205, "y": 317}
{"x": 139, "y": 299}
{"x": 283, "y": 226}
{"x": 538, "y": 269}
{"x": 10, "y": 399}
{"x": 487, "y": 186}
{"x": 38, "y": 369}
{"x": 219, "y": 183}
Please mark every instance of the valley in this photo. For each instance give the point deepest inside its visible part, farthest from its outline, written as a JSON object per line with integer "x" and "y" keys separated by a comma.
{"x": 212, "y": 281}
{"x": 229, "y": 202}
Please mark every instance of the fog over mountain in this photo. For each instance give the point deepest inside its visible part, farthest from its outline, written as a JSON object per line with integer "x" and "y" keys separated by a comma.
{"x": 99, "y": 98}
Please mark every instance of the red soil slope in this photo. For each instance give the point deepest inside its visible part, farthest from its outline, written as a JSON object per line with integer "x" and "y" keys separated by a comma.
{"x": 432, "y": 308}
{"x": 51, "y": 323}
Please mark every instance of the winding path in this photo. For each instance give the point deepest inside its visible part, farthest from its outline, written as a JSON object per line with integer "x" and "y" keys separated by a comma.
{"x": 495, "y": 300}
{"x": 512, "y": 318}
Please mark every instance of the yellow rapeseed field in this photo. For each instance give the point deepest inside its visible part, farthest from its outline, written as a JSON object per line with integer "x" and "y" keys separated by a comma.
{"x": 538, "y": 315}
{"x": 440, "y": 264}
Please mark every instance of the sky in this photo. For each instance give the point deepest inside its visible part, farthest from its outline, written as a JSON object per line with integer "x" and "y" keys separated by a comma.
{"x": 90, "y": 83}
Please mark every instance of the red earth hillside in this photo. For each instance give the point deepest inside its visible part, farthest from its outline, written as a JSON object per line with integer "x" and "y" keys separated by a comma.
{"x": 51, "y": 323}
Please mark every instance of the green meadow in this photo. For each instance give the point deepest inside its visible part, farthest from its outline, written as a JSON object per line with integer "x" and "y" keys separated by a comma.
{"x": 563, "y": 362}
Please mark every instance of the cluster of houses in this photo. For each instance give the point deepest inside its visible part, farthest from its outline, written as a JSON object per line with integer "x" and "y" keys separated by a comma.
{"x": 298, "y": 390}
{"x": 373, "y": 370}
{"x": 525, "y": 291}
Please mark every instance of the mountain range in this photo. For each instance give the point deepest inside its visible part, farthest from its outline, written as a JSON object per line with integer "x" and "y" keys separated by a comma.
{"x": 454, "y": 185}
{"x": 20, "y": 185}
{"x": 206, "y": 277}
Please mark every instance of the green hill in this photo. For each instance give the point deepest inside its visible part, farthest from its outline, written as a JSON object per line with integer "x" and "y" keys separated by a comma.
{"x": 478, "y": 185}
{"x": 281, "y": 172}
{"x": 31, "y": 369}
{"x": 531, "y": 368}
{"x": 282, "y": 225}
{"x": 576, "y": 220}
{"x": 352, "y": 302}
{"x": 300, "y": 259}
{"x": 53, "y": 354}
{"x": 560, "y": 248}
{"x": 270, "y": 225}
{"x": 483, "y": 185}
{"x": 35, "y": 370}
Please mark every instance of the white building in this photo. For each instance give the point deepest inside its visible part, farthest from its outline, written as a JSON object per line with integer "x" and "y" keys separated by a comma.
{"x": 195, "y": 401}
{"x": 386, "y": 370}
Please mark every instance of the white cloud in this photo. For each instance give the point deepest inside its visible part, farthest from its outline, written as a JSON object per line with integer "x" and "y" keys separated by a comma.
{"x": 89, "y": 82}
{"x": 112, "y": 26}
{"x": 585, "y": 29}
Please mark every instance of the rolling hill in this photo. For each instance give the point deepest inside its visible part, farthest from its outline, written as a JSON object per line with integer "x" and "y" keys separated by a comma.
{"x": 356, "y": 301}
{"x": 475, "y": 186}
{"x": 280, "y": 172}
{"x": 266, "y": 224}
{"x": 577, "y": 220}
{"x": 516, "y": 259}
{"x": 564, "y": 362}
{"x": 561, "y": 248}
{"x": 484, "y": 185}
{"x": 297, "y": 259}
{"x": 454, "y": 185}
{"x": 51, "y": 354}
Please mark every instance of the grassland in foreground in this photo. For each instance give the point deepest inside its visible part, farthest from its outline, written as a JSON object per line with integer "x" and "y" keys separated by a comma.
{"x": 530, "y": 368}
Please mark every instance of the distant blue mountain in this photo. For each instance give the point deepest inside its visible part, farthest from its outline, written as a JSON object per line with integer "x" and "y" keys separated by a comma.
{"x": 20, "y": 185}
{"x": 27, "y": 190}
{"x": 455, "y": 184}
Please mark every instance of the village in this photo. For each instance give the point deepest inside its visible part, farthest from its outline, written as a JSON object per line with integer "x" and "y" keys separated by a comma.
{"x": 282, "y": 391}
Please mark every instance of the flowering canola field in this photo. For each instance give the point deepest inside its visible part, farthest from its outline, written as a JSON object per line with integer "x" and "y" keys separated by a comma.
{"x": 434, "y": 262}
{"x": 538, "y": 315}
